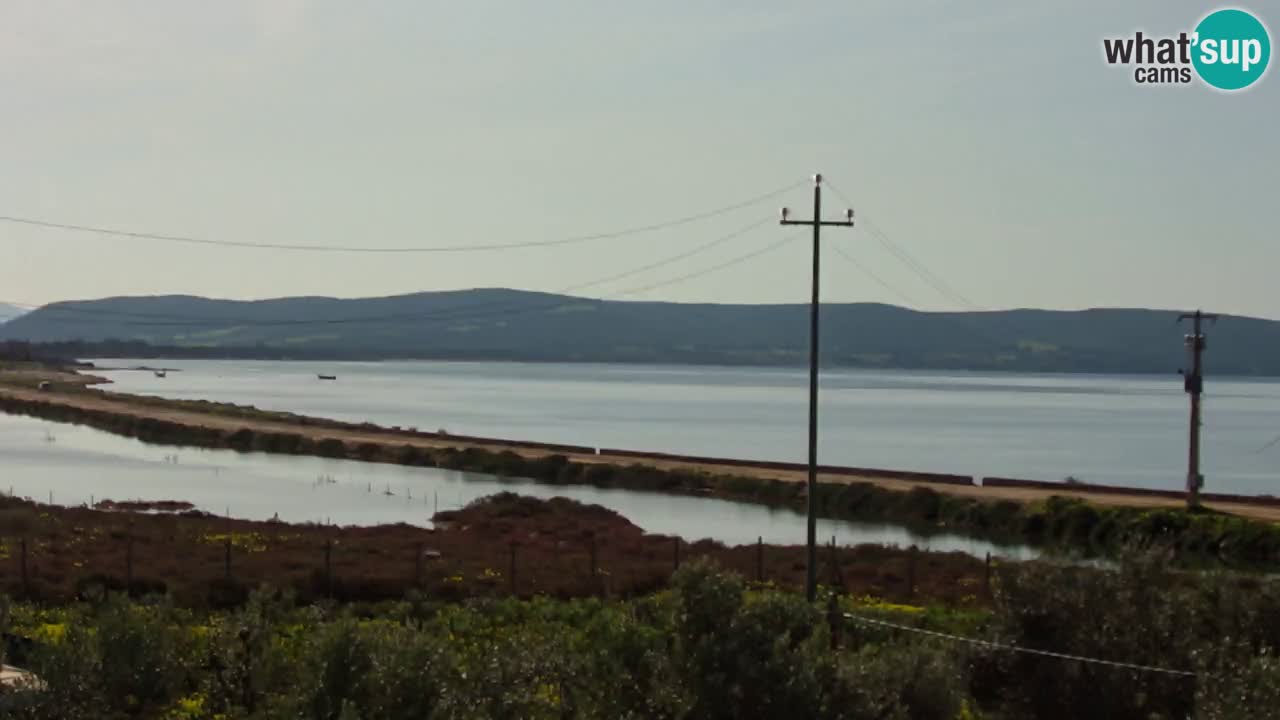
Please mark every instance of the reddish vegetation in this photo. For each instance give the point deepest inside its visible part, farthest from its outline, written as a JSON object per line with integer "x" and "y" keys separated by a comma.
{"x": 508, "y": 518}
{"x": 74, "y": 551}
{"x": 145, "y": 505}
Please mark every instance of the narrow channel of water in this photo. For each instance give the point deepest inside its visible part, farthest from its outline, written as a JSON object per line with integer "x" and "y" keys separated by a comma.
{"x": 75, "y": 464}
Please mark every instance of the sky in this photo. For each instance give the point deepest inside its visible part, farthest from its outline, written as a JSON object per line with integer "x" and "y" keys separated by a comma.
{"x": 989, "y": 140}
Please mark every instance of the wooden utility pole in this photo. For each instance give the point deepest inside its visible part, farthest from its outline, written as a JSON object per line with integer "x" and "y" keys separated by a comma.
{"x": 1193, "y": 383}
{"x": 811, "y": 571}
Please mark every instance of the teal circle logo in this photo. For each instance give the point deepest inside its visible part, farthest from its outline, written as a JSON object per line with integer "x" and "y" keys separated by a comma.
{"x": 1231, "y": 49}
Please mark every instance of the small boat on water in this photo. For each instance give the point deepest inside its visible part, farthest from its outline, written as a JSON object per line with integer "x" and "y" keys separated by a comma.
{"x": 160, "y": 373}
{"x": 327, "y": 377}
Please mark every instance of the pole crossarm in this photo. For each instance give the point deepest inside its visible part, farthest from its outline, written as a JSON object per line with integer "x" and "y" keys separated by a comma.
{"x": 822, "y": 223}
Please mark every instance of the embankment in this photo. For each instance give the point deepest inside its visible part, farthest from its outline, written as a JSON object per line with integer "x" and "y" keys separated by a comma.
{"x": 1063, "y": 515}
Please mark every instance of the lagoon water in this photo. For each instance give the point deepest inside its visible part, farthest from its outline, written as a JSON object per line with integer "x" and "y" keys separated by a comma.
{"x": 1119, "y": 430}
{"x": 74, "y": 465}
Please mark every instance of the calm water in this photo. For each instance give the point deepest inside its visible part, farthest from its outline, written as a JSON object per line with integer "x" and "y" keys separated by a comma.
{"x": 1121, "y": 430}
{"x": 78, "y": 464}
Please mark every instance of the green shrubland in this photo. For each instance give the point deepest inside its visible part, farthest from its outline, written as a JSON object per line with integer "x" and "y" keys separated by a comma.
{"x": 713, "y": 646}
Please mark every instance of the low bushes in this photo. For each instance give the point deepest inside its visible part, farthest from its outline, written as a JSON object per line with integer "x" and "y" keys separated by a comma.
{"x": 712, "y": 647}
{"x": 709, "y": 648}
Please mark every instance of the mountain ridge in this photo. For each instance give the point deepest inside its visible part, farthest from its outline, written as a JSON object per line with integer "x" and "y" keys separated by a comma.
{"x": 501, "y": 323}
{"x": 9, "y": 312}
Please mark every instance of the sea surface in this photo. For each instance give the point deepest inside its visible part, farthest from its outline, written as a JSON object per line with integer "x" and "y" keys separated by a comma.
{"x": 1117, "y": 430}
{"x": 74, "y": 465}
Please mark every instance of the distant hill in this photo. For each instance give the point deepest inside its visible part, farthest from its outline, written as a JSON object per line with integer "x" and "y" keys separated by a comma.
{"x": 8, "y": 312}
{"x": 497, "y": 324}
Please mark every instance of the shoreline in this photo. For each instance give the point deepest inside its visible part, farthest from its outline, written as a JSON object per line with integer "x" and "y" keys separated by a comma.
{"x": 203, "y": 414}
{"x": 799, "y": 368}
{"x": 1242, "y": 528}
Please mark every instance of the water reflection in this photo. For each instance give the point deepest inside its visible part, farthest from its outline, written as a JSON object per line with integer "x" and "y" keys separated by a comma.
{"x": 76, "y": 465}
{"x": 1111, "y": 430}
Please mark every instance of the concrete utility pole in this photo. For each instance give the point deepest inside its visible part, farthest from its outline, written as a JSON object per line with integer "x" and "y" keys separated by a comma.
{"x": 811, "y": 570}
{"x": 1193, "y": 383}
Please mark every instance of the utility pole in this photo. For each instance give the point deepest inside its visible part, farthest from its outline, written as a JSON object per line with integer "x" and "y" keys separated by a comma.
{"x": 811, "y": 568}
{"x": 1193, "y": 383}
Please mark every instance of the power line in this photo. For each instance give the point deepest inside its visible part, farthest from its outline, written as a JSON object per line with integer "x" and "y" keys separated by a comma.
{"x": 669, "y": 260}
{"x": 919, "y": 268}
{"x": 1268, "y": 446}
{"x": 512, "y": 311}
{"x": 936, "y": 282}
{"x": 708, "y": 271}
{"x": 191, "y": 320}
{"x": 869, "y": 273}
{"x": 49, "y": 224}
{"x": 465, "y": 312}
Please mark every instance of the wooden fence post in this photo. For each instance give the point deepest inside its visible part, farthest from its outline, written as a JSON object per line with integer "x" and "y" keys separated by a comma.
{"x": 986, "y": 576}
{"x": 835, "y": 566}
{"x": 911, "y": 571}
{"x": 26, "y": 581}
{"x": 417, "y": 566}
{"x": 833, "y": 619}
{"x": 328, "y": 567}
{"x": 676, "y": 555}
{"x": 759, "y": 558}
{"x": 226, "y": 559}
{"x": 512, "y": 572}
{"x": 128, "y": 563}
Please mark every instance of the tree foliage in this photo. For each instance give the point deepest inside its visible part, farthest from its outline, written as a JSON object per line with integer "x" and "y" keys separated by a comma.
{"x": 712, "y": 647}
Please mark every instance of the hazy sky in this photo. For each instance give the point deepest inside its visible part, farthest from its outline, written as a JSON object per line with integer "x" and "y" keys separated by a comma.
{"x": 989, "y": 139}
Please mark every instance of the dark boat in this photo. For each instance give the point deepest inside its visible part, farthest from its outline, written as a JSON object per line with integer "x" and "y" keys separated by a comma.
{"x": 160, "y": 373}
{"x": 327, "y": 377}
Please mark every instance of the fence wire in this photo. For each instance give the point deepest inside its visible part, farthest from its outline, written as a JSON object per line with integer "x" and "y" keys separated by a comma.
{"x": 1015, "y": 648}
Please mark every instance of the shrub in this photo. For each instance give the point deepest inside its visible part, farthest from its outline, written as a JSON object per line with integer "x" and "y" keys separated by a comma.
{"x": 141, "y": 663}
{"x": 912, "y": 682}
{"x": 331, "y": 447}
{"x": 745, "y": 659}
{"x": 622, "y": 666}
{"x": 1235, "y": 683}
{"x": 70, "y": 669}
{"x": 335, "y": 672}
{"x": 406, "y": 675}
{"x": 1138, "y": 614}
{"x": 242, "y": 439}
